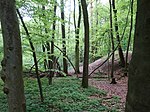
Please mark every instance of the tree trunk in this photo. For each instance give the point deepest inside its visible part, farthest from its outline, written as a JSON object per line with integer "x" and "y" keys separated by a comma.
{"x": 138, "y": 99}
{"x": 112, "y": 45}
{"x": 130, "y": 35}
{"x": 121, "y": 56}
{"x": 50, "y": 62}
{"x": 12, "y": 62}
{"x": 34, "y": 57}
{"x": 77, "y": 31}
{"x": 92, "y": 35}
{"x": 69, "y": 20}
{"x": 52, "y": 47}
{"x": 65, "y": 64}
{"x": 94, "y": 31}
{"x": 86, "y": 44}
{"x": 45, "y": 60}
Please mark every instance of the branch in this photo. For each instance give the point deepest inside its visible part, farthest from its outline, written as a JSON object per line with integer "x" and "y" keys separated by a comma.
{"x": 66, "y": 57}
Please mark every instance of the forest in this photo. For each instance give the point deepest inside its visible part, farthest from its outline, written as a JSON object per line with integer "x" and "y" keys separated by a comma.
{"x": 75, "y": 56}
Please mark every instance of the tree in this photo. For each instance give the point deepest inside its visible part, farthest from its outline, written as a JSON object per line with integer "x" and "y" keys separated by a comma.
{"x": 34, "y": 56}
{"x": 52, "y": 44}
{"x": 129, "y": 38}
{"x": 121, "y": 56}
{"x": 112, "y": 45}
{"x": 65, "y": 64}
{"x": 138, "y": 99}
{"x": 86, "y": 44}
{"x": 77, "y": 32}
{"x": 12, "y": 62}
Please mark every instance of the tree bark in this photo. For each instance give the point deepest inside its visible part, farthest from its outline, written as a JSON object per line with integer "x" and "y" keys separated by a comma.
{"x": 86, "y": 44}
{"x": 12, "y": 62}
{"x": 130, "y": 35}
{"x": 52, "y": 45}
{"x": 77, "y": 31}
{"x": 112, "y": 46}
{"x": 45, "y": 60}
{"x": 138, "y": 99}
{"x": 65, "y": 64}
{"x": 121, "y": 56}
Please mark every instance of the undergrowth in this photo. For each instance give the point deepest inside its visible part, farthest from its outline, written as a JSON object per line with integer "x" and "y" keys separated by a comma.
{"x": 65, "y": 95}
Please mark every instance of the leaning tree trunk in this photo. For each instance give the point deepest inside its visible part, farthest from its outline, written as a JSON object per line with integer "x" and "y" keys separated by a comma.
{"x": 12, "y": 62}
{"x": 34, "y": 56}
{"x": 138, "y": 99}
{"x": 86, "y": 44}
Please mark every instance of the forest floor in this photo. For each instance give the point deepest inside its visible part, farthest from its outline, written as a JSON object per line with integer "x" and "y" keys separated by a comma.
{"x": 66, "y": 94}
{"x": 101, "y": 80}
{"x": 119, "y": 90}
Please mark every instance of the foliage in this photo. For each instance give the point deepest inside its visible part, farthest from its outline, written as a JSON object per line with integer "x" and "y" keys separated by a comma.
{"x": 38, "y": 19}
{"x": 65, "y": 95}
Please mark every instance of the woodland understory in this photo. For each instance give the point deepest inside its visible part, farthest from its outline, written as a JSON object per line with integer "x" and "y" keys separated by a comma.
{"x": 74, "y": 55}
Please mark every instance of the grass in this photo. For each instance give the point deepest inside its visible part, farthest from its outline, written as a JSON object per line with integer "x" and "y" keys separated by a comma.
{"x": 65, "y": 95}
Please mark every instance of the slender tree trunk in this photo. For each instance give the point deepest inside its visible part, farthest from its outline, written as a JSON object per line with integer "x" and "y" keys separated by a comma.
{"x": 34, "y": 57}
{"x": 74, "y": 15}
{"x": 48, "y": 54}
{"x": 44, "y": 47}
{"x": 86, "y": 44}
{"x": 93, "y": 43}
{"x": 121, "y": 56}
{"x": 50, "y": 62}
{"x": 138, "y": 99}
{"x": 12, "y": 62}
{"x": 45, "y": 61}
{"x": 112, "y": 43}
{"x": 65, "y": 64}
{"x": 48, "y": 48}
{"x": 77, "y": 31}
{"x": 130, "y": 33}
{"x": 52, "y": 46}
{"x": 69, "y": 21}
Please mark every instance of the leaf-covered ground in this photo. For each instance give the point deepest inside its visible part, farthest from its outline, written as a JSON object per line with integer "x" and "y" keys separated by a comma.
{"x": 65, "y": 95}
{"x": 101, "y": 80}
{"x": 119, "y": 90}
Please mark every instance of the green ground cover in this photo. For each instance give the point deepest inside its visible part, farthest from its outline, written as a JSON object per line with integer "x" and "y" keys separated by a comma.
{"x": 65, "y": 95}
